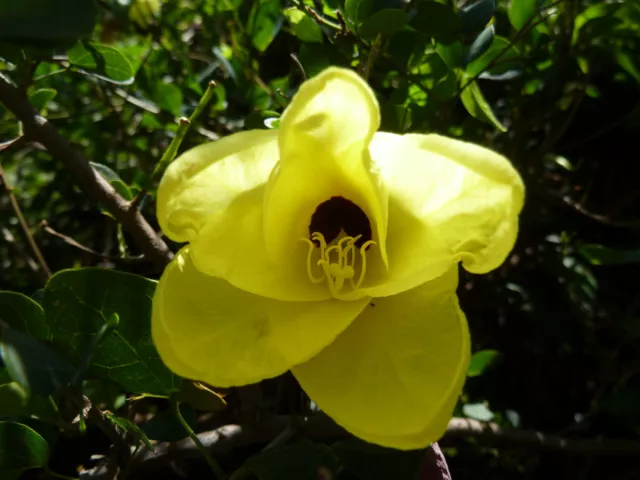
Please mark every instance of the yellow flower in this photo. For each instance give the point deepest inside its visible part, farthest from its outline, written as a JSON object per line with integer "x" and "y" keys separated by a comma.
{"x": 330, "y": 249}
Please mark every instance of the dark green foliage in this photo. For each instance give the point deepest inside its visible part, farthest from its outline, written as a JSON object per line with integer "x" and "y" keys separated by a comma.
{"x": 553, "y": 85}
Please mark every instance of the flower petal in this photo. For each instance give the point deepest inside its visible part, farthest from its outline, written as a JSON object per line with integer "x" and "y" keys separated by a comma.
{"x": 324, "y": 138}
{"x": 449, "y": 200}
{"x": 393, "y": 377}
{"x": 213, "y": 196}
{"x": 208, "y": 330}
{"x": 233, "y": 248}
{"x": 201, "y": 183}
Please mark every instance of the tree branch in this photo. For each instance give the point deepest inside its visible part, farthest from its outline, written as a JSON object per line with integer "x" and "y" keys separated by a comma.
{"x": 37, "y": 128}
{"x": 493, "y": 434}
{"x": 70, "y": 241}
{"x": 320, "y": 427}
{"x": 23, "y": 223}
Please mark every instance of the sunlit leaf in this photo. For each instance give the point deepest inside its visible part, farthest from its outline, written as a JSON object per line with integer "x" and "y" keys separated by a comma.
{"x": 521, "y": 11}
{"x": 304, "y": 27}
{"x": 129, "y": 427}
{"x": 478, "y": 411}
{"x": 481, "y": 44}
{"x": 103, "y": 61}
{"x": 508, "y": 61}
{"x": 475, "y": 103}
{"x": 114, "y": 179}
{"x": 452, "y": 54}
{"x": 264, "y": 23}
{"x": 41, "y": 97}
{"x": 168, "y": 97}
{"x": 480, "y": 361}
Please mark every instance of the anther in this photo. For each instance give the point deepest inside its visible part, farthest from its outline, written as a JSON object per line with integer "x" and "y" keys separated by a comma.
{"x": 337, "y": 262}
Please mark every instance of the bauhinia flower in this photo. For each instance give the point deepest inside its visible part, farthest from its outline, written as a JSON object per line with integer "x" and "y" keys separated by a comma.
{"x": 331, "y": 249}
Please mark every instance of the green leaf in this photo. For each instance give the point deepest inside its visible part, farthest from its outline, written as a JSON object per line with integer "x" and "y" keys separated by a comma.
{"x": 480, "y": 361}
{"x": 37, "y": 368}
{"x": 365, "y": 461}
{"x": 102, "y": 61}
{"x": 144, "y": 12}
{"x": 452, "y": 54}
{"x": 508, "y": 61}
{"x": 436, "y": 77}
{"x": 41, "y": 22}
{"x": 105, "y": 392}
{"x": 446, "y": 88}
{"x": 481, "y": 44}
{"x": 165, "y": 427}
{"x": 477, "y": 411}
{"x": 384, "y": 22}
{"x": 304, "y": 27}
{"x": 41, "y": 97}
{"x": 168, "y": 97}
{"x": 226, "y": 64}
{"x": 78, "y": 304}
{"x": 264, "y": 23}
{"x": 21, "y": 447}
{"x": 13, "y": 399}
{"x": 258, "y": 120}
{"x": 303, "y": 460}
{"x": 601, "y": 255}
{"x": 627, "y": 63}
{"x": 114, "y": 179}
{"x": 357, "y": 11}
{"x": 395, "y": 118}
{"x": 129, "y": 427}
{"x": 477, "y": 106}
{"x": 594, "y": 12}
{"x": 475, "y": 16}
{"x": 224, "y": 5}
{"x": 437, "y": 20}
{"x": 24, "y": 314}
{"x": 520, "y": 11}
{"x": 315, "y": 58}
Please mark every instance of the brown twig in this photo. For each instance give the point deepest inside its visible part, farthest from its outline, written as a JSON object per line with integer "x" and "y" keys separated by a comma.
{"x": 37, "y": 127}
{"x": 319, "y": 427}
{"x": 495, "y": 435}
{"x": 23, "y": 223}
{"x": 70, "y": 241}
{"x": 10, "y": 240}
{"x": 435, "y": 465}
{"x": 371, "y": 59}
{"x": 296, "y": 60}
{"x": 566, "y": 200}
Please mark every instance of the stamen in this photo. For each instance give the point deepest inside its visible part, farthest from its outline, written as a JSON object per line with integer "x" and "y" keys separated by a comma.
{"x": 363, "y": 270}
{"x": 338, "y": 262}
{"x": 312, "y": 247}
